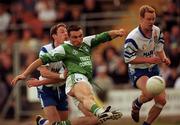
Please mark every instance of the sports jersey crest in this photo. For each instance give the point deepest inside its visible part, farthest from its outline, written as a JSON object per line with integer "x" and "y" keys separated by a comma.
{"x": 85, "y": 48}
{"x": 144, "y": 47}
{"x": 152, "y": 45}
{"x": 75, "y": 52}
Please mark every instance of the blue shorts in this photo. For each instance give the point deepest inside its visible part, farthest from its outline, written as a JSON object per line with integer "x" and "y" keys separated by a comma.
{"x": 53, "y": 96}
{"x": 137, "y": 73}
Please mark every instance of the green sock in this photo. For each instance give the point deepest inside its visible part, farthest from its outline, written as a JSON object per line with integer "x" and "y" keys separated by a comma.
{"x": 67, "y": 122}
{"x": 95, "y": 109}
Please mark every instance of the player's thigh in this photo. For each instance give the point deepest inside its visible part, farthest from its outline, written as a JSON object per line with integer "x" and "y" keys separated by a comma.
{"x": 141, "y": 84}
{"x": 161, "y": 99}
{"x": 51, "y": 113}
{"x": 77, "y": 83}
{"x": 82, "y": 90}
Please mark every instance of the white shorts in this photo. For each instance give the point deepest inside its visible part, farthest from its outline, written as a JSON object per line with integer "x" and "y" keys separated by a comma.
{"x": 75, "y": 78}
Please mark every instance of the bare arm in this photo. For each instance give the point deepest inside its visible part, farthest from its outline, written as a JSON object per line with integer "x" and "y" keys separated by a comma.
{"x": 28, "y": 71}
{"x": 32, "y": 67}
{"x": 162, "y": 56}
{"x": 51, "y": 75}
{"x": 35, "y": 82}
{"x": 151, "y": 60}
{"x": 116, "y": 33}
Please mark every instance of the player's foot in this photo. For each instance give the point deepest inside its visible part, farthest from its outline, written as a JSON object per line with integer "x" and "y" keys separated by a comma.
{"x": 40, "y": 120}
{"x": 109, "y": 115}
{"x": 135, "y": 111}
{"x": 116, "y": 114}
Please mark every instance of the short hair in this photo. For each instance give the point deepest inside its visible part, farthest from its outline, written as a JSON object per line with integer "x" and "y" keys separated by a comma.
{"x": 74, "y": 28}
{"x": 54, "y": 29}
{"x": 145, "y": 8}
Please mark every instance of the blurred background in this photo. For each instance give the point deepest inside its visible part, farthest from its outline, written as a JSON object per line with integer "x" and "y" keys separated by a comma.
{"x": 24, "y": 28}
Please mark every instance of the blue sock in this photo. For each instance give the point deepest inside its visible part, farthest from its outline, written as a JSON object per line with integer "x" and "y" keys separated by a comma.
{"x": 145, "y": 123}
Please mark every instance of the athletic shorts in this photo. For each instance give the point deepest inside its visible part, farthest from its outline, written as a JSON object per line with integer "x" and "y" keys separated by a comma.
{"x": 135, "y": 74}
{"x": 74, "y": 79}
{"x": 53, "y": 96}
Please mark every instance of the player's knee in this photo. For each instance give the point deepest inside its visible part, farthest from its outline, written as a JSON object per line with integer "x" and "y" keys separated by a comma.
{"x": 88, "y": 97}
{"x": 161, "y": 101}
{"x": 82, "y": 95}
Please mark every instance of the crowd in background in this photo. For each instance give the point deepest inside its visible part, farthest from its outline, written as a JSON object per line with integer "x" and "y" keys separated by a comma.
{"x": 27, "y": 22}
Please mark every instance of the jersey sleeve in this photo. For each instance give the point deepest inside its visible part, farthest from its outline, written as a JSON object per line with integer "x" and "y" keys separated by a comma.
{"x": 130, "y": 50}
{"x": 160, "y": 43}
{"x": 95, "y": 40}
{"x": 42, "y": 52}
{"x": 54, "y": 55}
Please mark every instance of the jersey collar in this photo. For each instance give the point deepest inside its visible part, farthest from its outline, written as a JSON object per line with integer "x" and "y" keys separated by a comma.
{"x": 68, "y": 42}
{"x": 140, "y": 30}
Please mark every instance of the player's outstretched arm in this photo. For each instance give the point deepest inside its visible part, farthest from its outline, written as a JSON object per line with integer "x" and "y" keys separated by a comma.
{"x": 28, "y": 71}
{"x": 35, "y": 82}
{"x": 116, "y": 33}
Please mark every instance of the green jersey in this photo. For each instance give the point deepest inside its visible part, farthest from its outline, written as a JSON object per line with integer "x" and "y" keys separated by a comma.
{"x": 76, "y": 59}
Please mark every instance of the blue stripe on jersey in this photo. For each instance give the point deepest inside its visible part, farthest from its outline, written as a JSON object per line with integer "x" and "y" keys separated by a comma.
{"x": 142, "y": 33}
{"x": 161, "y": 41}
{"x": 161, "y": 38}
{"x": 128, "y": 53}
{"x": 44, "y": 49}
{"x": 129, "y": 56}
{"x": 131, "y": 41}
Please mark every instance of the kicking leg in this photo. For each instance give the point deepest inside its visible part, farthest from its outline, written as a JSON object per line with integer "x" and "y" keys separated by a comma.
{"x": 83, "y": 92}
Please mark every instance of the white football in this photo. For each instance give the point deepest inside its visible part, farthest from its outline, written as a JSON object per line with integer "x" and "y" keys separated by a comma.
{"x": 155, "y": 85}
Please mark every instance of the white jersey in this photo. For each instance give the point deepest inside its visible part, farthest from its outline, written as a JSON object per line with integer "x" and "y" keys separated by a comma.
{"x": 137, "y": 45}
{"x": 57, "y": 67}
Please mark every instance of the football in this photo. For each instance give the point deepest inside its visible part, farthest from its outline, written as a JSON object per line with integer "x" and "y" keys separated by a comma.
{"x": 155, "y": 85}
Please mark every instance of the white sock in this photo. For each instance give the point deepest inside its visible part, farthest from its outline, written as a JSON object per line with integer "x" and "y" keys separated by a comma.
{"x": 99, "y": 111}
{"x": 43, "y": 121}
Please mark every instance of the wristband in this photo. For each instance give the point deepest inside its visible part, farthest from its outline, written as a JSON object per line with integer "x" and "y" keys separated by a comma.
{"x": 61, "y": 76}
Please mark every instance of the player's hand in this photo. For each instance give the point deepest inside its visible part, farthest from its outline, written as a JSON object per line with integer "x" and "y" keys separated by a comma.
{"x": 121, "y": 32}
{"x": 154, "y": 60}
{"x": 17, "y": 78}
{"x": 32, "y": 82}
{"x": 44, "y": 71}
{"x": 166, "y": 61}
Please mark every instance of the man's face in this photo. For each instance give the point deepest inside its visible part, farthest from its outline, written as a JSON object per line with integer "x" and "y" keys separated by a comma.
{"x": 61, "y": 35}
{"x": 148, "y": 20}
{"x": 76, "y": 37}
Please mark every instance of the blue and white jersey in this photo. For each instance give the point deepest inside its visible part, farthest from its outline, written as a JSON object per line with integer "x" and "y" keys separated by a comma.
{"x": 137, "y": 45}
{"x": 54, "y": 66}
